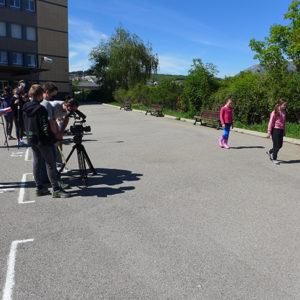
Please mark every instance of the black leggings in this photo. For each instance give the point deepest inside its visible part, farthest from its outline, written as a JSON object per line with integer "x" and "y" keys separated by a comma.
{"x": 277, "y": 137}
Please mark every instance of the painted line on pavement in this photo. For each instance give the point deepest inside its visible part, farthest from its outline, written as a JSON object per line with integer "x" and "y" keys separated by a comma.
{"x": 27, "y": 154}
{"x": 10, "y": 275}
{"x": 22, "y": 190}
{"x": 2, "y": 191}
{"x": 17, "y": 154}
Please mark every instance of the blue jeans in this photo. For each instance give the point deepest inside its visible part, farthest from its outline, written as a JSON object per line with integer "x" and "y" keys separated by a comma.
{"x": 226, "y": 131}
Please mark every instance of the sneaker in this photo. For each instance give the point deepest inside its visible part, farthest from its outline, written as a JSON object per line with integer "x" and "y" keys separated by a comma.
{"x": 276, "y": 162}
{"x": 11, "y": 138}
{"x": 21, "y": 143}
{"x": 60, "y": 194}
{"x": 270, "y": 155}
{"x": 64, "y": 186}
{"x": 42, "y": 192}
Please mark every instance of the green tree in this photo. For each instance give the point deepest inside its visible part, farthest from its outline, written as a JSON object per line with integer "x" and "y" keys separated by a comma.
{"x": 250, "y": 96}
{"x": 199, "y": 85}
{"x": 123, "y": 61}
{"x": 282, "y": 44}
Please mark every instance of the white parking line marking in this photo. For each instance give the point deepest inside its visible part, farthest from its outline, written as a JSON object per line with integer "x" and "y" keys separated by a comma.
{"x": 17, "y": 154}
{"x": 27, "y": 154}
{"x": 22, "y": 190}
{"x": 2, "y": 191}
{"x": 10, "y": 275}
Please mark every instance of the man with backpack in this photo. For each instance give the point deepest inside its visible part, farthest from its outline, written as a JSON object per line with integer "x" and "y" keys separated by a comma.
{"x": 41, "y": 139}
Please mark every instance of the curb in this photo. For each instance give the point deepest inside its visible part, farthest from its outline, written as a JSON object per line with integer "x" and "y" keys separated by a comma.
{"x": 238, "y": 130}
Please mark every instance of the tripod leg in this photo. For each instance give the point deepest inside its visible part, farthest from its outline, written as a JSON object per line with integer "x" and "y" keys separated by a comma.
{"x": 68, "y": 158}
{"x": 86, "y": 157}
{"x": 82, "y": 166}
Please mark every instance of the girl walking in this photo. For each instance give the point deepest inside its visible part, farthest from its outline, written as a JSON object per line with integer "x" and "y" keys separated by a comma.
{"x": 276, "y": 129}
{"x": 226, "y": 118}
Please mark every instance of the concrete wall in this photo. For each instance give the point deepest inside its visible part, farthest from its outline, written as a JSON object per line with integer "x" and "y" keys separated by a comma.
{"x": 52, "y": 22}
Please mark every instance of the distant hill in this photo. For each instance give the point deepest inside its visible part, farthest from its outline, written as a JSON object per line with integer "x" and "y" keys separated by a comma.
{"x": 259, "y": 68}
{"x": 160, "y": 77}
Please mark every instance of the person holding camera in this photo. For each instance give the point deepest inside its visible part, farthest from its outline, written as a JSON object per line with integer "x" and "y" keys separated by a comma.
{"x": 61, "y": 113}
{"x": 41, "y": 139}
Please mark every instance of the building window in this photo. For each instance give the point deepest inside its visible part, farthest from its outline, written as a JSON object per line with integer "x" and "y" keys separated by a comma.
{"x": 16, "y": 31}
{"x": 31, "y": 60}
{"x": 17, "y": 59}
{"x": 30, "y": 33}
{"x": 3, "y": 58}
{"x": 2, "y": 2}
{"x": 30, "y": 5}
{"x": 15, "y": 3}
{"x": 2, "y": 29}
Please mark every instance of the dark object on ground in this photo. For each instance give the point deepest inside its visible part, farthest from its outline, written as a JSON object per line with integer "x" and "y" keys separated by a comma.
{"x": 126, "y": 105}
{"x": 209, "y": 117}
{"x": 155, "y": 110}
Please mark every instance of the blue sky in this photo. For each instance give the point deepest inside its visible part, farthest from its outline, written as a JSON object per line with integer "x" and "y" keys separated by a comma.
{"x": 217, "y": 31}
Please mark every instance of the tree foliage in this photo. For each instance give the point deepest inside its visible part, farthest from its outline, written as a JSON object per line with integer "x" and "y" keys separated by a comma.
{"x": 123, "y": 61}
{"x": 199, "y": 85}
{"x": 282, "y": 44}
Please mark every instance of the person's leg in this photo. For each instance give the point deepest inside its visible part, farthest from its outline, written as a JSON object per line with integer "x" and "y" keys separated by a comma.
{"x": 8, "y": 122}
{"x": 277, "y": 143}
{"x": 47, "y": 154}
{"x": 226, "y": 135}
{"x": 37, "y": 158}
{"x": 16, "y": 126}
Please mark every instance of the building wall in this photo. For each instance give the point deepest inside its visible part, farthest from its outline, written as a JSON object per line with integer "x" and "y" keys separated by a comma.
{"x": 51, "y": 22}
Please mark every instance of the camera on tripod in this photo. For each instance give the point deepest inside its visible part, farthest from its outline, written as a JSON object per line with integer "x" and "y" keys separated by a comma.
{"x": 78, "y": 128}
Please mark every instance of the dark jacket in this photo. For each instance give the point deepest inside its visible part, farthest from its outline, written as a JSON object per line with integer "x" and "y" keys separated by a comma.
{"x": 37, "y": 125}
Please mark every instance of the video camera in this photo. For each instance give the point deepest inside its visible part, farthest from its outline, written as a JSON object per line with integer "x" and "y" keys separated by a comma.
{"x": 78, "y": 128}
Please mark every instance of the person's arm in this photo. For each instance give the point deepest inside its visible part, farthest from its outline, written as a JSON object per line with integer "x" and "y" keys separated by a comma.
{"x": 222, "y": 116}
{"x": 65, "y": 123}
{"x": 271, "y": 123}
{"x": 54, "y": 127}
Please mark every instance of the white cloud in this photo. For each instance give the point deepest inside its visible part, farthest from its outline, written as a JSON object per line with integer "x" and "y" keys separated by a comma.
{"x": 83, "y": 38}
{"x": 72, "y": 54}
{"x": 170, "y": 64}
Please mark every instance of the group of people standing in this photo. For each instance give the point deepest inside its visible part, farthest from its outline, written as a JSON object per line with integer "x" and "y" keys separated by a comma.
{"x": 14, "y": 99}
{"x": 44, "y": 121}
{"x": 276, "y": 126}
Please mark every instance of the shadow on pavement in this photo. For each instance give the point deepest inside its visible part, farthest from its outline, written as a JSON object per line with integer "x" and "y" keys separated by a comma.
{"x": 288, "y": 162}
{"x": 108, "y": 177}
{"x": 247, "y": 147}
{"x": 17, "y": 185}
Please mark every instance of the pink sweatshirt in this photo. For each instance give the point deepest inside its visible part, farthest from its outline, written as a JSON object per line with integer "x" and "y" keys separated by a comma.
{"x": 226, "y": 115}
{"x": 277, "y": 121}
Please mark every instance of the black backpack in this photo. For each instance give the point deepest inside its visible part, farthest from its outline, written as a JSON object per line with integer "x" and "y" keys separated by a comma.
{"x": 32, "y": 125}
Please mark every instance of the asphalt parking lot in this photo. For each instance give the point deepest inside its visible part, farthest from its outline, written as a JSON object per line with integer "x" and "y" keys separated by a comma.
{"x": 169, "y": 216}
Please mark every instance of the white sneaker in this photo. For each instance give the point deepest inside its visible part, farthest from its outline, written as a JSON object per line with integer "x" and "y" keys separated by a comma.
{"x": 270, "y": 155}
{"x": 276, "y": 162}
{"x": 21, "y": 143}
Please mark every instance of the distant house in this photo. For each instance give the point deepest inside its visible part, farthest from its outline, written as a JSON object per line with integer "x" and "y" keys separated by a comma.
{"x": 85, "y": 83}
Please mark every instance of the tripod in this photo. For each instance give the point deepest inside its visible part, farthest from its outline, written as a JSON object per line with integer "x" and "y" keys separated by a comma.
{"x": 82, "y": 158}
{"x": 5, "y": 133}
